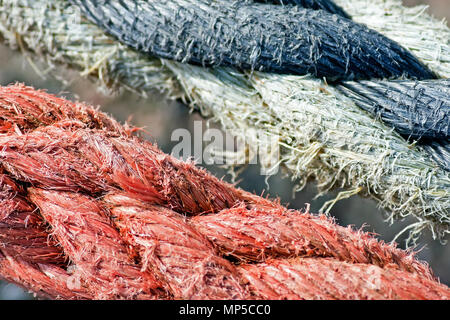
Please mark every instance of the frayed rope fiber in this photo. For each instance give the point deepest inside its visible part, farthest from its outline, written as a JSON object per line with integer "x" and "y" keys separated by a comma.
{"x": 326, "y": 5}
{"x": 91, "y": 211}
{"x": 323, "y": 135}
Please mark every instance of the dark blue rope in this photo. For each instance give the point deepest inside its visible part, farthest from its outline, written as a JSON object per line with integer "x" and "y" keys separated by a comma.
{"x": 326, "y": 5}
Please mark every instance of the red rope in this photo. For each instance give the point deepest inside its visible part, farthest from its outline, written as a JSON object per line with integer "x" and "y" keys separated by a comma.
{"x": 90, "y": 211}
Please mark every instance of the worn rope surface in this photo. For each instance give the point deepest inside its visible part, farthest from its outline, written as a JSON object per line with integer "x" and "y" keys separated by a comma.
{"x": 91, "y": 211}
{"x": 326, "y": 5}
{"x": 252, "y": 36}
{"x": 323, "y": 134}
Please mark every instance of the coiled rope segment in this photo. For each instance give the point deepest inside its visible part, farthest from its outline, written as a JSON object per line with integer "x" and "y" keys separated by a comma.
{"x": 149, "y": 226}
{"x": 323, "y": 135}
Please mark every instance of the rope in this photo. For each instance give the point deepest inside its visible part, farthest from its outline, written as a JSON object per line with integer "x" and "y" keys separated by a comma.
{"x": 415, "y": 108}
{"x": 419, "y": 110}
{"x": 251, "y": 36}
{"x": 326, "y": 5}
{"x": 323, "y": 135}
{"x": 287, "y": 40}
{"x": 91, "y": 211}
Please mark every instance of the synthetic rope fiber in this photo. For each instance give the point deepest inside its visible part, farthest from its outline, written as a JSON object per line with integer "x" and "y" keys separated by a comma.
{"x": 90, "y": 210}
{"x": 324, "y": 135}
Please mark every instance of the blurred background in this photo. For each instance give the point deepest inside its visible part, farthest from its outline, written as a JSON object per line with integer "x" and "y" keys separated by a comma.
{"x": 161, "y": 117}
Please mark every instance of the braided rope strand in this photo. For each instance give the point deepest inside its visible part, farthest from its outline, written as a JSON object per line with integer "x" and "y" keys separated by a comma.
{"x": 121, "y": 246}
{"x": 343, "y": 147}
